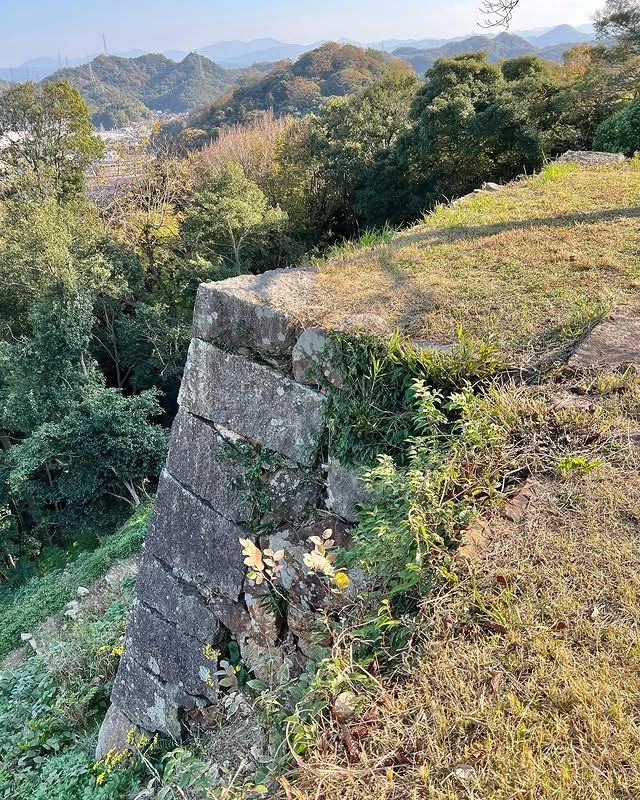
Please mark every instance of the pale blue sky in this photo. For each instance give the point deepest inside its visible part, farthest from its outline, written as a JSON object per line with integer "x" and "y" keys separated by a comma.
{"x": 31, "y": 28}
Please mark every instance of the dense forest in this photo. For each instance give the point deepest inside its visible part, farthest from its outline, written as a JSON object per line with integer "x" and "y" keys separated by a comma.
{"x": 299, "y": 88}
{"x": 96, "y": 298}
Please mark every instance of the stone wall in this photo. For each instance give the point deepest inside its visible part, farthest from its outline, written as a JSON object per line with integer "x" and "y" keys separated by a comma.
{"x": 244, "y": 462}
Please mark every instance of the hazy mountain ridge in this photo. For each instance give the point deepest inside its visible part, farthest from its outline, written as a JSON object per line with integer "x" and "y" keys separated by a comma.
{"x": 124, "y": 90}
{"x": 504, "y": 45}
{"x": 237, "y": 53}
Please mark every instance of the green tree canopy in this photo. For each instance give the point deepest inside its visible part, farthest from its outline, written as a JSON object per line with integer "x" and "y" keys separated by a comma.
{"x": 619, "y": 22}
{"x": 621, "y": 132}
{"x": 48, "y": 140}
{"x": 230, "y": 221}
{"x": 467, "y": 125}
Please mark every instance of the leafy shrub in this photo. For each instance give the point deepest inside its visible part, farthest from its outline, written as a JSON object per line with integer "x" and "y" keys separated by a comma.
{"x": 49, "y": 709}
{"x": 375, "y": 412}
{"x": 621, "y": 132}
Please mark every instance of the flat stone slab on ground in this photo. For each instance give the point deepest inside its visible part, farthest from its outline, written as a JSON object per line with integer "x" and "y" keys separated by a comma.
{"x": 615, "y": 342}
{"x": 590, "y": 158}
{"x": 261, "y": 312}
{"x": 188, "y": 535}
{"x": 253, "y": 401}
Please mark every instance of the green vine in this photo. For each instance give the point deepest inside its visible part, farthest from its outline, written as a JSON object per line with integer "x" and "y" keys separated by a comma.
{"x": 258, "y": 465}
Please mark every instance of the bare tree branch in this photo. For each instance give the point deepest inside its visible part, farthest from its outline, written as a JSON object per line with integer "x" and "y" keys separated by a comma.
{"x": 498, "y": 13}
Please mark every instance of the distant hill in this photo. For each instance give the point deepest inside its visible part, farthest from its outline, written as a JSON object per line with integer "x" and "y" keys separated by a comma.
{"x": 242, "y": 54}
{"x": 39, "y": 68}
{"x": 562, "y": 34}
{"x": 34, "y": 70}
{"x": 121, "y": 91}
{"x": 292, "y": 88}
{"x": 236, "y": 53}
{"x": 505, "y": 45}
{"x": 389, "y": 45}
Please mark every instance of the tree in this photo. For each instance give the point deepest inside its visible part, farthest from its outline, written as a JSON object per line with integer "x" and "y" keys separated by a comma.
{"x": 105, "y": 448}
{"x": 42, "y": 244}
{"x": 467, "y": 126}
{"x": 621, "y": 132}
{"x": 69, "y": 442}
{"x": 324, "y": 158}
{"x": 619, "y": 23}
{"x": 46, "y": 373}
{"x": 230, "y": 222}
{"x": 521, "y": 67}
{"x": 349, "y": 136}
{"x": 499, "y": 13}
{"x": 49, "y": 139}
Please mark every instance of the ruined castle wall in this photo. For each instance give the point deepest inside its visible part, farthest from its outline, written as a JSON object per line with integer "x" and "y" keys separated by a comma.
{"x": 243, "y": 463}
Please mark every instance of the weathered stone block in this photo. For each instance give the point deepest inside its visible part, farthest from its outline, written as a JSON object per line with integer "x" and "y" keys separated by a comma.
{"x": 252, "y": 400}
{"x": 147, "y": 700}
{"x": 178, "y": 602}
{"x": 312, "y": 357}
{"x": 313, "y": 638}
{"x": 188, "y": 535}
{"x": 290, "y": 494}
{"x": 345, "y": 491}
{"x": 615, "y": 342}
{"x": 233, "y": 616}
{"x": 256, "y": 311}
{"x": 198, "y": 460}
{"x": 202, "y": 460}
{"x": 114, "y": 732}
{"x": 163, "y": 650}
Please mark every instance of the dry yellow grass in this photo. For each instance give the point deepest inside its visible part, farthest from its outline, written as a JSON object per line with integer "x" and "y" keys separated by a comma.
{"x": 530, "y": 687}
{"x": 518, "y": 265}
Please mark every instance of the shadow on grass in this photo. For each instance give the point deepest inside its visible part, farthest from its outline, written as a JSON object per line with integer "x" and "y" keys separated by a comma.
{"x": 443, "y": 236}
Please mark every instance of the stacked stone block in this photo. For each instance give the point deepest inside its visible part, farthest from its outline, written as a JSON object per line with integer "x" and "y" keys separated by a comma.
{"x": 238, "y": 391}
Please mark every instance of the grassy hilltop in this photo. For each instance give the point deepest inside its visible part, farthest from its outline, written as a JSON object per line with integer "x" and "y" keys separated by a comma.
{"x": 520, "y": 674}
{"x": 518, "y": 265}
{"x": 493, "y": 651}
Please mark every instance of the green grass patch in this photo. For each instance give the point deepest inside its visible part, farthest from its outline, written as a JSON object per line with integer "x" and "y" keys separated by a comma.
{"x": 50, "y": 709}
{"x": 45, "y": 595}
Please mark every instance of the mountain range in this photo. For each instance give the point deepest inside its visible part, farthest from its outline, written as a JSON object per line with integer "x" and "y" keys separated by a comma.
{"x": 236, "y": 53}
{"x": 120, "y": 90}
{"x": 505, "y": 45}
